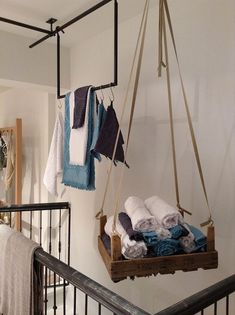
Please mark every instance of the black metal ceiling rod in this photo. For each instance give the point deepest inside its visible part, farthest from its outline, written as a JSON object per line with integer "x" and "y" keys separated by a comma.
{"x": 28, "y": 26}
{"x": 69, "y": 23}
{"x": 115, "y": 57}
{"x": 59, "y": 29}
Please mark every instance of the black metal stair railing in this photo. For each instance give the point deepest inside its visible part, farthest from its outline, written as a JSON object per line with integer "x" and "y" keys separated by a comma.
{"x": 202, "y": 303}
{"x": 206, "y": 301}
{"x": 49, "y": 224}
{"x": 92, "y": 291}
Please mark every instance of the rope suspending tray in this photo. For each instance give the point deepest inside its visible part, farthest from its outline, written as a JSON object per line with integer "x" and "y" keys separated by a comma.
{"x": 118, "y": 267}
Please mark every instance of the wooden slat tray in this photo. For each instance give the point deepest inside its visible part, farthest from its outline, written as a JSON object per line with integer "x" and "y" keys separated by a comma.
{"x": 120, "y": 269}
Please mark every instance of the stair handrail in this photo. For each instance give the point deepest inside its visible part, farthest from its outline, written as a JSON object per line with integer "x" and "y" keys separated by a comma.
{"x": 112, "y": 301}
{"x": 201, "y": 300}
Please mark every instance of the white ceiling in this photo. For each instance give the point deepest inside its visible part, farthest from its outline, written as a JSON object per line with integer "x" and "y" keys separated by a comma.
{"x": 37, "y": 12}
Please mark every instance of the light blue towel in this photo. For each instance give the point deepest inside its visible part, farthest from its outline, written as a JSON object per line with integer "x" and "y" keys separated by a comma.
{"x": 200, "y": 239}
{"x": 178, "y": 231}
{"x": 81, "y": 177}
{"x": 166, "y": 247}
{"x": 150, "y": 238}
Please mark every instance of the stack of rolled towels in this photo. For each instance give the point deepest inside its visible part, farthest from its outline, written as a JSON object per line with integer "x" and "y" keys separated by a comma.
{"x": 153, "y": 228}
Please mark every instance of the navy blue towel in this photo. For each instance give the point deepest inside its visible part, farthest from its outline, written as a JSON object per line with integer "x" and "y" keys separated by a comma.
{"x": 107, "y": 137}
{"x": 80, "y": 102}
{"x": 127, "y": 225}
{"x": 107, "y": 242}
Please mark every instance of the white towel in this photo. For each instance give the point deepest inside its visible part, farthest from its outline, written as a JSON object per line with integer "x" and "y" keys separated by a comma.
{"x": 55, "y": 160}
{"x": 16, "y": 273}
{"x": 187, "y": 242}
{"x": 130, "y": 249}
{"x": 78, "y": 137}
{"x": 166, "y": 215}
{"x": 141, "y": 218}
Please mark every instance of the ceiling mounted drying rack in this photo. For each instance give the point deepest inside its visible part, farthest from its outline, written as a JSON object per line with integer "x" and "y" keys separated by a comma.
{"x": 58, "y": 29}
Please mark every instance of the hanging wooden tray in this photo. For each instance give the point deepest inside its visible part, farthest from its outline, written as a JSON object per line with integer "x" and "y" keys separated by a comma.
{"x": 120, "y": 269}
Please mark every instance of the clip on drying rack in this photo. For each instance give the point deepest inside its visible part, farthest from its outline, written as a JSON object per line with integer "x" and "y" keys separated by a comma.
{"x": 58, "y": 29}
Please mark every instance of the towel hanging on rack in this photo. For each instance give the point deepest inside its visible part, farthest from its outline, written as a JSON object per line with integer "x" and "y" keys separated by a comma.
{"x": 101, "y": 115}
{"x": 81, "y": 177}
{"x": 80, "y": 105}
{"x": 54, "y": 165}
{"x": 78, "y": 142}
{"x": 107, "y": 137}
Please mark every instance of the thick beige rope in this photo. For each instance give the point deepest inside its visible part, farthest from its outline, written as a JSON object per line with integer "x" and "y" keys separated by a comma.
{"x": 189, "y": 119}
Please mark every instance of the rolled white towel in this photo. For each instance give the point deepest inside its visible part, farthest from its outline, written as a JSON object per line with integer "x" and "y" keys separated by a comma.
{"x": 141, "y": 218}
{"x": 187, "y": 242}
{"x": 166, "y": 215}
{"x": 130, "y": 249}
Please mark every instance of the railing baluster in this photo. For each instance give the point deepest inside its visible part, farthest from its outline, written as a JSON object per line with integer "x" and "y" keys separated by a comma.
{"x": 86, "y": 303}
{"x": 50, "y": 246}
{"x": 54, "y": 291}
{"x": 75, "y": 301}
{"x": 20, "y": 221}
{"x": 40, "y": 228}
{"x": 30, "y": 224}
{"x": 64, "y": 298}
{"x": 99, "y": 309}
{"x": 227, "y": 305}
{"x": 215, "y": 308}
{"x": 45, "y": 295}
{"x": 59, "y": 244}
{"x": 69, "y": 233}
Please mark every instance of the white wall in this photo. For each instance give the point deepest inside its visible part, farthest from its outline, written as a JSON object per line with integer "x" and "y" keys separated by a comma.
{"x": 35, "y": 66}
{"x": 32, "y": 107}
{"x": 204, "y": 34}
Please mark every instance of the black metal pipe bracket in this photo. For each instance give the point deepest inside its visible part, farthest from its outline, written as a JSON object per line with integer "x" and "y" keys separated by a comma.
{"x": 115, "y": 45}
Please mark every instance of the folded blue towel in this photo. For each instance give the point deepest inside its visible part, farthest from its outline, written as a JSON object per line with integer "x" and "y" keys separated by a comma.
{"x": 166, "y": 247}
{"x": 81, "y": 177}
{"x": 150, "y": 238}
{"x": 199, "y": 238}
{"x": 178, "y": 231}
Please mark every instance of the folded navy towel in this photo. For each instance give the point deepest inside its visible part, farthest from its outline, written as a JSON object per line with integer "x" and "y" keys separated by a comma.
{"x": 127, "y": 225}
{"x": 80, "y": 103}
{"x": 178, "y": 231}
{"x": 166, "y": 247}
{"x": 150, "y": 238}
{"x": 107, "y": 242}
{"x": 107, "y": 137}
